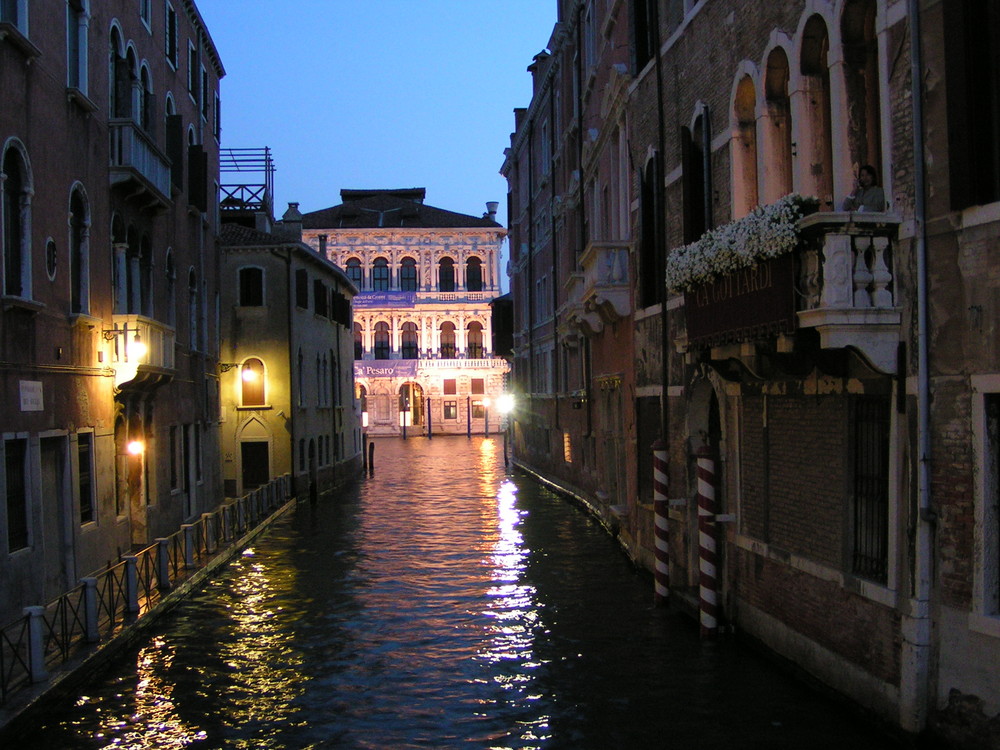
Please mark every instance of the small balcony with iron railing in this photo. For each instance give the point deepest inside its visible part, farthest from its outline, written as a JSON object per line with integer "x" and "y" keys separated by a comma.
{"x": 836, "y": 279}
{"x": 136, "y": 162}
{"x": 140, "y": 351}
{"x": 598, "y": 291}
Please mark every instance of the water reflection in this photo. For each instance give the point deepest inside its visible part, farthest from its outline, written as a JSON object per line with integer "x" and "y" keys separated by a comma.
{"x": 440, "y": 604}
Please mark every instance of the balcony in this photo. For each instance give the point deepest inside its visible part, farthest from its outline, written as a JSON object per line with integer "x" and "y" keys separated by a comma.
{"x": 837, "y": 281}
{"x": 137, "y": 164}
{"x": 140, "y": 351}
{"x": 846, "y": 285}
{"x": 598, "y": 291}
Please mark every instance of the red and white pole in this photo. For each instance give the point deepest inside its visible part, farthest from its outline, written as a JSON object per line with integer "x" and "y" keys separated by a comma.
{"x": 661, "y": 573}
{"x": 707, "y": 581}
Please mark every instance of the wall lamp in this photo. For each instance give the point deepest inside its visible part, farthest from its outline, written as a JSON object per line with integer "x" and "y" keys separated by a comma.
{"x": 134, "y": 349}
{"x": 227, "y": 366}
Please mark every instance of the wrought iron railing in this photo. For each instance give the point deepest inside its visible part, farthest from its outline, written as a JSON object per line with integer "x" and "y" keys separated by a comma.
{"x": 103, "y": 604}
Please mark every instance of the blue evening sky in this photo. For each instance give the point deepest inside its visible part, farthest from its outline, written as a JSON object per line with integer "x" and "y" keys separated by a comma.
{"x": 378, "y": 93}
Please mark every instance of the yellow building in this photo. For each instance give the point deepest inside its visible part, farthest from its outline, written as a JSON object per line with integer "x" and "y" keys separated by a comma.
{"x": 423, "y": 331}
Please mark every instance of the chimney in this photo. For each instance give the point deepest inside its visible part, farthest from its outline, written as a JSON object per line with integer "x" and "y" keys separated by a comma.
{"x": 491, "y": 210}
{"x": 291, "y": 222}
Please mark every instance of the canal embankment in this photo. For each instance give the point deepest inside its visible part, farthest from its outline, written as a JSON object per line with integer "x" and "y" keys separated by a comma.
{"x": 53, "y": 649}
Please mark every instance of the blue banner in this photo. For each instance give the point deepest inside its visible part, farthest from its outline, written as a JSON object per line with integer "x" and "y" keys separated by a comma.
{"x": 384, "y": 299}
{"x": 385, "y": 368}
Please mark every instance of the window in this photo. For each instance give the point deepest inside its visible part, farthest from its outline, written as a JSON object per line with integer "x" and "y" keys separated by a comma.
{"x": 146, "y": 12}
{"x": 988, "y": 507}
{"x": 174, "y": 459}
{"x": 321, "y": 298}
{"x": 359, "y": 345}
{"x": 16, "y": 220}
{"x": 79, "y": 253}
{"x": 446, "y": 275}
{"x": 76, "y": 45}
{"x": 861, "y": 79}
{"x": 644, "y": 37}
{"x": 815, "y": 127}
{"x": 478, "y": 410}
{"x": 252, "y": 382}
{"x": 777, "y": 128}
{"x": 85, "y": 474}
{"x": 302, "y": 288}
{"x": 475, "y": 336}
{"x": 380, "y": 275}
{"x": 447, "y": 340}
{"x": 171, "y": 279}
{"x": 251, "y": 286}
{"x": 51, "y": 259}
{"x": 972, "y": 46}
{"x": 408, "y": 343}
{"x": 870, "y": 496}
{"x": 451, "y": 410}
{"x": 478, "y": 386}
{"x": 354, "y": 272}
{"x": 16, "y": 487}
{"x": 382, "y": 340}
{"x": 474, "y": 275}
{"x": 450, "y": 386}
{"x": 695, "y": 180}
{"x": 204, "y": 94}
{"x": 651, "y": 261}
{"x": 15, "y": 12}
{"x": 408, "y": 275}
{"x": 170, "y": 35}
{"x": 217, "y": 119}
{"x": 193, "y": 78}
{"x": 193, "y": 326}
{"x": 744, "y": 148}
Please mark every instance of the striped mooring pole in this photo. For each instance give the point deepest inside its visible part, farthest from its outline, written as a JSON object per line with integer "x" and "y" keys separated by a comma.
{"x": 661, "y": 574}
{"x": 707, "y": 581}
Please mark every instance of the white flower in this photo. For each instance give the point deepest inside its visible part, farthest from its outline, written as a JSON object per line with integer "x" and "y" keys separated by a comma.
{"x": 766, "y": 232}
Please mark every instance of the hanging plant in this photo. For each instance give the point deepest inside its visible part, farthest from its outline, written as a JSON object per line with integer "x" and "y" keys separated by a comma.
{"x": 766, "y": 232}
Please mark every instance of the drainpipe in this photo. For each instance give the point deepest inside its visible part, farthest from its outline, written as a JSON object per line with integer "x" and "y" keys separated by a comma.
{"x": 917, "y": 627}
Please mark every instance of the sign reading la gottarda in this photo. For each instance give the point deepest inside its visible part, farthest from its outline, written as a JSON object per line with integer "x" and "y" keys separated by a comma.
{"x": 365, "y": 300}
{"x": 743, "y": 305}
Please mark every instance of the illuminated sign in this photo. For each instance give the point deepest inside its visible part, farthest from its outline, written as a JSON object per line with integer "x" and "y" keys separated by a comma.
{"x": 386, "y": 368}
{"x": 384, "y": 299}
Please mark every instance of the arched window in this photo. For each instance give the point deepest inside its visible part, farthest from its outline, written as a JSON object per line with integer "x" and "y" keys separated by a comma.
{"x": 380, "y": 275}
{"x": 408, "y": 341}
{"x": 133, "y": 253}
{"x": 382, "y": 340}
{"x": 146, "y": 277}
{"x": 651, "y": 269}
{"x": 301, "y": 379}
{"x": 744, "y": 150}
{"x": 16, "y": 221}
{"x": 777, "y": 124}
{"x": 147, "y": 103}
{"x": 857, "y": 28}
{"x": 697, "y": 218}
{"x": 354, "y": 272}
{"x": 447, "y": 340}
{"x": 79, "y": 252}
{"x": 252, "y": 383}
{"x": 474, "y": 274}
{"x": 251, "y": 286}
{"x": 359, "y": 344}
{"x": 119, "y": 79}
{"x": 446, "y": 275}
{"x": 475, "y": 336}
{"x": 815, "y": 127}
{"x": 408, "y": 275}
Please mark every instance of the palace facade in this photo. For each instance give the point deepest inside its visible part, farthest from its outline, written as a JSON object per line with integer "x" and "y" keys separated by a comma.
{"x": 422, "y": 328}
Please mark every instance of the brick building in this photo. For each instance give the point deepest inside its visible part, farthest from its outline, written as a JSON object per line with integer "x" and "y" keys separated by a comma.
{"x": 833, "y": 367}
{"x": 109, "y": 128}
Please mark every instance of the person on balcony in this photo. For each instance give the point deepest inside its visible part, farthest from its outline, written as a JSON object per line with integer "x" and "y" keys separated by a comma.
{"x": 867, "y": 195}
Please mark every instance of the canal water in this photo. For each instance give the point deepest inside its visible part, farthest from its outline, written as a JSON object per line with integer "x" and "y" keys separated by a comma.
{"x": 442, "y": 603}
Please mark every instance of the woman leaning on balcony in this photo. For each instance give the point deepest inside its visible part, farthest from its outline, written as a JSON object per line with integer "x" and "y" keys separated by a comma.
{"x": 867, "y": 195}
